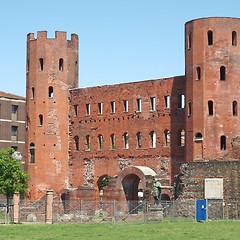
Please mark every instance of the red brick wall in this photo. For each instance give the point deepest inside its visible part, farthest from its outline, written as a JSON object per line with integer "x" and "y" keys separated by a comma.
{"x": 88, "y": 166}
{"x": 50, "y": 169}
{"x": 210, "y": 88}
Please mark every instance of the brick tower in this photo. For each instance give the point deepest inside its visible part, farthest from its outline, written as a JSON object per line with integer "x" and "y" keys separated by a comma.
{"x": 52, "y": 69}
{"x": 212, "y": 54}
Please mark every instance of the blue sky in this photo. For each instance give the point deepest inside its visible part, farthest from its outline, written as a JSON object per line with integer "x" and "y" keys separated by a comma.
{"x": 120, "y": 41}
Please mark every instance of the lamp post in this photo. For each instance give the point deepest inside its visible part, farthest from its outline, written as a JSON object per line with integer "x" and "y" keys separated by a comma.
{"x": 101, "y": 203}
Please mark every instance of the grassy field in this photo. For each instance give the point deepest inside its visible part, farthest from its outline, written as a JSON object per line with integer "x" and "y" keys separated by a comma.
{"x": 177, "y": 230}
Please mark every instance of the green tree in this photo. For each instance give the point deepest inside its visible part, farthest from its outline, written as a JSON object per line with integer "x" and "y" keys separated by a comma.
{"x": 12, "y": 176}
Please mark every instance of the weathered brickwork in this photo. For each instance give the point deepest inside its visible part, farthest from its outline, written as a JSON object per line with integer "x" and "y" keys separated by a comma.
{"x": 108, "y": 158}
{"x": 193, "y": 175}
{"x": 120, "y": 137}
{"x": 51, "y": 71}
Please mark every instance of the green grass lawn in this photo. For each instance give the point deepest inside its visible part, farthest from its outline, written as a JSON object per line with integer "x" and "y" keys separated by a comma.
{"x": 177, "y": 230}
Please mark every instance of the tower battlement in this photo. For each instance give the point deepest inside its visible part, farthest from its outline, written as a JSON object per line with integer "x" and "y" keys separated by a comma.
{"x": 60, "y": 35}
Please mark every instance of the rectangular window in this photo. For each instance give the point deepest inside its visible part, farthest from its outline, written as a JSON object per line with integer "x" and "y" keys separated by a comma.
{"x": 125, "y": 103}
{"x": 76, "y": 109}
{"x": 15, "y": 148}
{"x": 167, "y": 102}
{"x": 88, "y": 109}
{"x": 181, "y": 101}
{"x": 14, "y": 131}
{"x": 100, "y": 108}
{"x": 113, "y": 106}
{"x": 153, "y": 103}
{"x": 14, "y": 112}
{"x": 139, "y": 105}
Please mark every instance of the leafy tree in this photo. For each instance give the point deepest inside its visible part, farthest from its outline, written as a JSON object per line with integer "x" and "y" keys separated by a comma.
{"x": 12, "y": 176}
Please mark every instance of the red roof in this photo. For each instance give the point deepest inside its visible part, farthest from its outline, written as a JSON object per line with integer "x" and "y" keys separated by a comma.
{"x": 11, "y": 96}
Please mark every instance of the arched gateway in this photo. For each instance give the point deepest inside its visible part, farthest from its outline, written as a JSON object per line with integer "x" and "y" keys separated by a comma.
{"x": 134, "y": 179}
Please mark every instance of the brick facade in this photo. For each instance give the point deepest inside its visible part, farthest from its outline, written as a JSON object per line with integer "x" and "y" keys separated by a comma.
{"x": 90, "y": 135}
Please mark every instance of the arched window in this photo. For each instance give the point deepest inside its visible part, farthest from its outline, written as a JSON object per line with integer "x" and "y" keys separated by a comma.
{"x": 88, "y": 143}
{"x": 222, "y": 73}
{"x": 189, "y": 41}
{"x": 40, "y": 119}
{"x": 182, "y": 138}
{"x": 210, "y": 108}
{"x": 100, "y": 142}
{"x": 50, "y": 92}
{"x": 210, "y": 37}
{"x": 76, "y": 68}
{"x": 139, "y": 140}
{"x": 198, "y": 73}
{"x": 198, "y": 137}
{"x": 234, "y": 108}
{"x": 113, "y": 144}
{"x": 126, "y": 140}
{"x": 153, "y": 139}
{"x": 167, "y": 137}
{"x": 189, "y": 109}
{"x": 223, "y": 142}
{"x": 32, "y": 152}
{"x": 60, "y": 64}
{"x": 234, "y": 38}
{"x": 76, "y": 141}
{"x": 41, "y": 64}
{"x": 33, "y": 93}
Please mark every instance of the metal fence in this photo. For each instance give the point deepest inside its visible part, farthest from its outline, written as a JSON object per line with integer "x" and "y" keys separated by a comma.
{"x": 116, "y": 212}
{"x": 6, "y": 217}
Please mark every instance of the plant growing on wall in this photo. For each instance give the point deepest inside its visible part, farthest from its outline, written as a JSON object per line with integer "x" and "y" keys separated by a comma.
{"x": 12, "y": 176}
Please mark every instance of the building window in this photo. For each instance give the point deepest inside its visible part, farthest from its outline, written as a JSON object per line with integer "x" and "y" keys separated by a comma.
{"x": 40, "y": 119}
{"x": 76, "y": 68}
{"x": 139, "y": 105}
{"x": 198, "y": 137}
{"x": 33, "y": 93}
{"x": 210, "y": 37}
{"x": 167, "y": 137}
{"x": 234, "y": 38}
{"x": 60, "y": 64}
{"x": 32, "y": 152}
{"x": 50, "y": 92}
{"x": 100, "y": 142}
{"x": 125, "y": 105}
{"x": 41, "y": 64}
{"x": 113, "y": 143}
{"x": 153, "y": 103}
{"x": 210, "y": 108}
{"x": 167, "y": 101}
{"x": 15, "y": 148}
{"x": 126, "y": 140}
{"x": 139, "y": 140}
{"x": 88, "y": 109}
{"x": 223, "y": 142}
{"x": 75, "y": 110}
{"x": 153, "y": 139}
{"x": 182, "y": 138}
{"x": 189, "y": 109}
{"x": 14, "y": 133}
{"x": 181, "y": 101}
{"x": 113, "y": 107}
{"x": 222, "y": 73}
{"x": 100, "y": 108}
{"x": 198, "y": 73}
{"x": 14, "y": 112}
{"x": 234, "y": 108}
{"x": 88, "y": 143}
{"x": 189, "y": 41}
{"x": 76, "y": 142}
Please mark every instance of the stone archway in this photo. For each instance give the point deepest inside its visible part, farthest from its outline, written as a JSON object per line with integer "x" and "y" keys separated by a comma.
{"x": 130, "y": 177}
